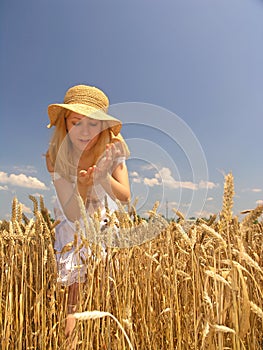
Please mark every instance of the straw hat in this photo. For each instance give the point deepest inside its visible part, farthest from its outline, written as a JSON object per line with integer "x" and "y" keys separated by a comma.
{"x": 85, "y": 100}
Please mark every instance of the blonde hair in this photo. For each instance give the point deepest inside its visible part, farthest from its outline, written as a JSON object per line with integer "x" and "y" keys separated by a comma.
{"x": 60, "y": 149}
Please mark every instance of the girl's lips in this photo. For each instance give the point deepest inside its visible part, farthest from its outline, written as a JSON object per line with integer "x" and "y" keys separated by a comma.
{"x": 84, "y": 141}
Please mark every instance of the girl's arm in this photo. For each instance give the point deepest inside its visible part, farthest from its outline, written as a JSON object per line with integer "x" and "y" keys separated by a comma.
{"x": 67, "y": 193}
{"x": 117, "y": 185}
{"x": 111, "y": 172}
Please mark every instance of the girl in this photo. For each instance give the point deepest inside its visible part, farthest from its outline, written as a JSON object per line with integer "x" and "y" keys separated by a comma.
{"x": 86, "y": 159}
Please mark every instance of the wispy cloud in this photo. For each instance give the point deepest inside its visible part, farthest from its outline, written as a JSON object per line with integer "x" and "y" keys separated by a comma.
{"x": 256, "y": 190}
{"x": 204, "y": 213}
{"x": 26, "y": 209}
{"x": 26, "y": 169}
{"x": 53, "y": 199}
{"x": 148, "y": 167}
{"x": 173, "y": 204}
{"x": 207, "y": 185}
{"x": 3, "y": 188}
{"x": 22, "y": 180}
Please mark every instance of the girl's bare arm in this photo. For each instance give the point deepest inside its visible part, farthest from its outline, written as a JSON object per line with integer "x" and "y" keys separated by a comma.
{"x": 117, "y": 185}
{"x": 67, "y": 193}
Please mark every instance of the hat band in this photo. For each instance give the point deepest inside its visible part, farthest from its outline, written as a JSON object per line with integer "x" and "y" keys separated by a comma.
{"x": 90, "y": 102}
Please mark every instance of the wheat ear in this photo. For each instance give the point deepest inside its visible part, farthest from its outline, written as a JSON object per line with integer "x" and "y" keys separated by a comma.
{"x": 93, "y": 315}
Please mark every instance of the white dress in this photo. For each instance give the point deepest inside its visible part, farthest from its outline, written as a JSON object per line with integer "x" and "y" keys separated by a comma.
{"x": 70, "y": 259}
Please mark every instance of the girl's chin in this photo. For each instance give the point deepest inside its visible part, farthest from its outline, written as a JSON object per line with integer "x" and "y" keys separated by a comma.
{"x": 84, "y": 147}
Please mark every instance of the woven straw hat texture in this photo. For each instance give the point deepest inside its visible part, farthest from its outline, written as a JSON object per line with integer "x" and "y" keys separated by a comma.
{"x": 85, "y": 100}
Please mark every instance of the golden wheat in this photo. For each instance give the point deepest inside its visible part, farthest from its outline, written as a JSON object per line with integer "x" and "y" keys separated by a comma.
{"x": 178, "y": 285}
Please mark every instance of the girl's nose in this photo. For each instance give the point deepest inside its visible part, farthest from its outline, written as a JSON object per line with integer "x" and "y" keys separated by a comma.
{"x": 85, "y": 128}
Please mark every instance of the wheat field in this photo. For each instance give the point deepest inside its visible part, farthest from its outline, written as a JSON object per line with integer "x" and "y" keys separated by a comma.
{"x": 195, "y": 285}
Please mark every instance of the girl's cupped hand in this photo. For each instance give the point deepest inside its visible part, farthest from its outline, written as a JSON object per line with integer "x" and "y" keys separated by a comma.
{"x": 99, "y": 172}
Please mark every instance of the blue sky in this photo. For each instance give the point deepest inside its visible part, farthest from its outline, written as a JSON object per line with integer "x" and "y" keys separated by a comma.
{"x": 192, "y": 69}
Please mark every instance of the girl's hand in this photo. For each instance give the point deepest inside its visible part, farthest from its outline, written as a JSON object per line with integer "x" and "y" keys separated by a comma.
{"x": 100, "y": 172}
{"x": 85, "y": 177}
{"x": 105, "y": 164}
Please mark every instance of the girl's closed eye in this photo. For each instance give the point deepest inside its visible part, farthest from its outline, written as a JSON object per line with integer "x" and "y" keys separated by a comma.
{"x": 76, "y": 123}
{"x": 93, "y": 123}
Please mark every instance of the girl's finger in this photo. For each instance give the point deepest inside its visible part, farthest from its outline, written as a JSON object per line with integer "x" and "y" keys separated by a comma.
{"x": 113, "y": 150}
{"x": 83, "y": 172}
{"x": 91, "y": 169}
{"x": 109, "y": 151}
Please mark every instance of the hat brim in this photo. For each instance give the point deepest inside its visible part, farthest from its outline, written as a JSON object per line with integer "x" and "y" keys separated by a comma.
{"x": 57, "y": 110}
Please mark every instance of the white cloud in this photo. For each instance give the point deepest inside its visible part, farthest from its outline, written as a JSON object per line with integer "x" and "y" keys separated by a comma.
{"x": 207, "y": 184}
{"x": 22, "y": 180}
{"x": 256, "y": 190}
{"x": 3, "y": 188}
{"x": 53, "y": 199}
{"x": 27, "y": 169}
{"x": 203, "y": 213}
{"x": 26, "y": 209}
{"x": 151, "y": 182}
{"x": 148, "y": 167}
{"x": 167, "y": 179}
{"x": 135, "y": 177}
{"x": 36, "y": 194}
{"x": 209, "y": 199}
{"x": 173, "y": 204}
{"x": 164, "y": 176}
{"x": 188, "y": 185}
{"x": 134, "y": 174}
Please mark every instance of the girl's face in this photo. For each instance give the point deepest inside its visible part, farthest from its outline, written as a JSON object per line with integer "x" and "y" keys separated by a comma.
{"x": 83, "y": 131}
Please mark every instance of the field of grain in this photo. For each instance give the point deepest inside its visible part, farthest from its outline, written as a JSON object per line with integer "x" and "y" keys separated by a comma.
{"x": 195, "y": 285}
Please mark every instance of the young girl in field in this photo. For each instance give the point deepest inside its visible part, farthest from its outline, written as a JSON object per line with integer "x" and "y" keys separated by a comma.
{"x": 86, "y": 159}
